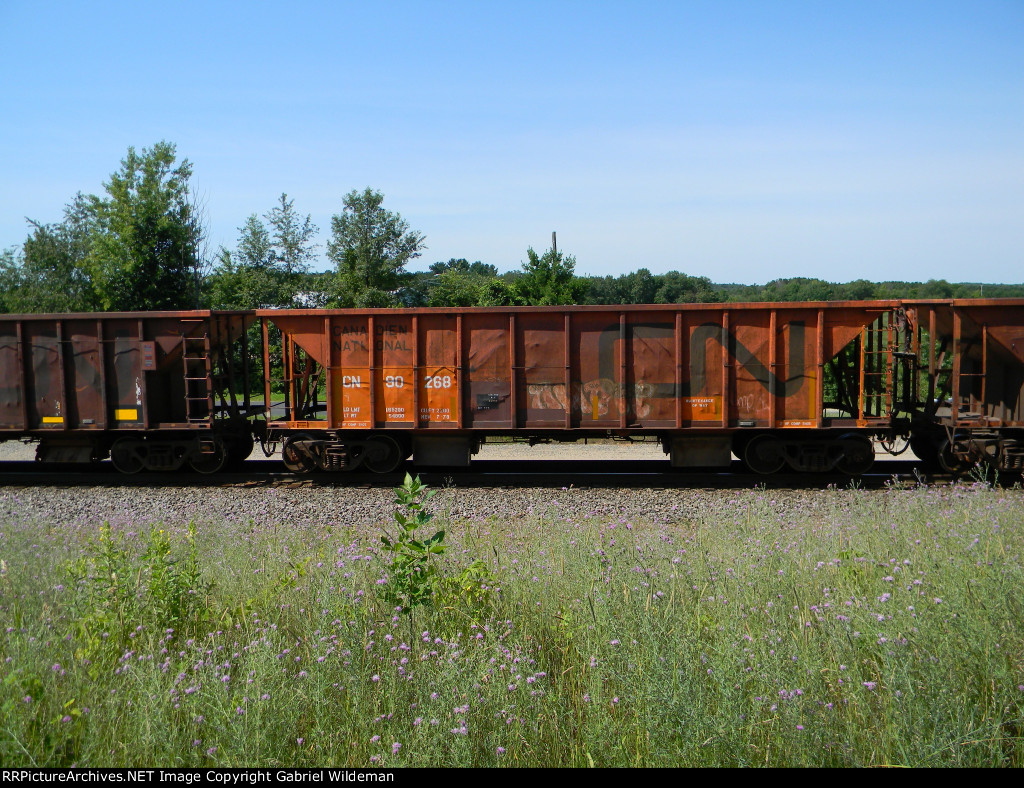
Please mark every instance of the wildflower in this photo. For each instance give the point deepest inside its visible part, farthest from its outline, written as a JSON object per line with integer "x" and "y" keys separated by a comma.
{"x": 799, "y": 727}
{"x": 870, "y": 684}
{"x": 66, "y": 718}
{"x": 374, "y": 739}
{"x": 299, "y": 741}
{"x": 395, "y": 747}
{"x": 500, "y": 751}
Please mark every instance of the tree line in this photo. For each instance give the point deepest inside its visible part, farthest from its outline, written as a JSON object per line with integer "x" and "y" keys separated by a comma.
{"x": 143, "y": 245}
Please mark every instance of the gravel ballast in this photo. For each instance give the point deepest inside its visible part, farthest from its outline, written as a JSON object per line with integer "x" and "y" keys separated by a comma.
{"x": 312, "y": 505}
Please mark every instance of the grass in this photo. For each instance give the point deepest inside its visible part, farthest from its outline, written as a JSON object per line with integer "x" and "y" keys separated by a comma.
{"x": 849, "y": 629}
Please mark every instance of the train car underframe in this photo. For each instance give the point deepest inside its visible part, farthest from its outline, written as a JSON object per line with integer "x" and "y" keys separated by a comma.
{"x": 764, "y": 452}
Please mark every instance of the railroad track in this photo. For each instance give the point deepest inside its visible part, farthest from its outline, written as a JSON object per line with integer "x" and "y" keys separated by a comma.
{"x": 483, "y": 473}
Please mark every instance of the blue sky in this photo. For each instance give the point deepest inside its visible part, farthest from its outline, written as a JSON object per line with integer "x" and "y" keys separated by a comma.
{"x": 743, "y": 141}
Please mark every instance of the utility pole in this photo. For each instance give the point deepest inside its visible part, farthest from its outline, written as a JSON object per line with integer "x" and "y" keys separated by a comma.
{"x": 554, "y": 242}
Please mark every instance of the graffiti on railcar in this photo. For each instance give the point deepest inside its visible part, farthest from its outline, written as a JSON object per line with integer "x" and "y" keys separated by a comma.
{"x": 547, "y": 396}
{"x": 596, "y": 396}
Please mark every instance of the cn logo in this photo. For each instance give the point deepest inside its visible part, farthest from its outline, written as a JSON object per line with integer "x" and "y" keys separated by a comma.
{"x": 351, "y": 381}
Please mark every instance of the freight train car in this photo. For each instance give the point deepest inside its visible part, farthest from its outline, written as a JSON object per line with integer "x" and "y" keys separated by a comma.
{"x": 805, "y": 386}
{"x": 154, "y": 390}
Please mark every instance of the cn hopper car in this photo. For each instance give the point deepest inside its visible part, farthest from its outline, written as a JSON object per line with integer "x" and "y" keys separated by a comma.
{"x": 799, "y": 386}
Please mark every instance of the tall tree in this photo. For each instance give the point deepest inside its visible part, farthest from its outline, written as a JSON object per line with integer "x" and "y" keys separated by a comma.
{"x": 269, "y": 264}
{"x": 550, "y": 279}
{"x": 370, "y": 247}
{"x": 293, "y": 245}
{"x": 48, "y": 273}
{"x": 145, "y": 251}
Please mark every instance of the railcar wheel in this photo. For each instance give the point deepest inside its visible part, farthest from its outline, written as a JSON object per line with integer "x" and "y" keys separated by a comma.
{"x": 858, "y": 455}
{"x": 125, "y": 457}
{"x": 210, "y": 462}
{"x": 239, "y": 449}
{"x": 764, "y": 455}
{"x": 383, "y": 454}
{"x": 926, "y": 449}
{"x": 949, "y": 462}
{"x": 293, "y": 458}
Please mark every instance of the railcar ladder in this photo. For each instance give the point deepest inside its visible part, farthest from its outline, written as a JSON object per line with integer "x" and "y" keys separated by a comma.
{"x": 877, "y": 343}
{"x": 195, "y": 354}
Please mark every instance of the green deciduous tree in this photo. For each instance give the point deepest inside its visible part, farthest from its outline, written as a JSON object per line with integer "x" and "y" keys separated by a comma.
{"x": 292, "y": 238}
{"x": 48, "y": 273}
{"x": 459, "y": 282}
{"x": 550, "y": 279}
{"x": 145, "y": 251}
{"x": 677, "y": 288}
{"x": 370, "y": 247}
{"x": 268, "y": 267}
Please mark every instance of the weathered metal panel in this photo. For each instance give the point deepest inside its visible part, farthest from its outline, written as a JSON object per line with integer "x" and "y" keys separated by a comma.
{"x": 438, "y": 376}
{"x": 487, "y": 379}
{"x": 83, "y": 360}
{"x": 596, "y": 398}
{"x": 541, "y": 396}
{"x": 395, "y": 373}
{"x": 350, "y": 371}
{"x": 703, "y": 377}
{"x": 749, "y": 374}
{"x": 12, "y": 378}
{"x": 125, "y": 404}
{"x": 47, "y": 408}
{"x": 651, "y": 369}
{"x": 795, "y": 373}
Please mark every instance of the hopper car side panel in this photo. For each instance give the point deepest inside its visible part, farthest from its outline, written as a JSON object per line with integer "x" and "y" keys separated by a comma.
{"x": 596, "y": 369}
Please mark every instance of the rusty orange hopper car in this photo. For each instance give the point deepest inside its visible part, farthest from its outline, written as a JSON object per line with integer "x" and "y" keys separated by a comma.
{"x": 799, "y": 386}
